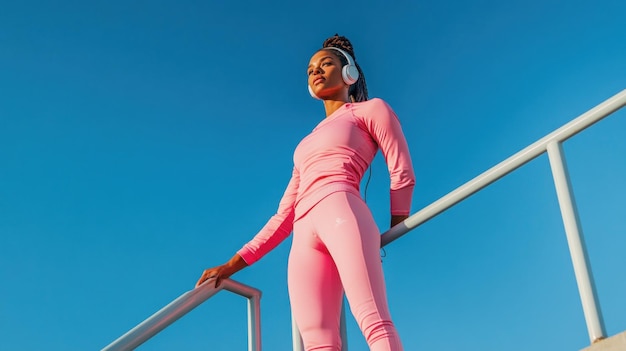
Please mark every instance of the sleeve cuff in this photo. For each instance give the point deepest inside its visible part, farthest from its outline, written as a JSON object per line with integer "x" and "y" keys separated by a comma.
{"x": 248, "y": 256}
{"x": 401, "y": 200}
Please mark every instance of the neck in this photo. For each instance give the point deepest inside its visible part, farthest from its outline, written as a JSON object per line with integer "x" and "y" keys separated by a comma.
{"x": 333, "y": 105}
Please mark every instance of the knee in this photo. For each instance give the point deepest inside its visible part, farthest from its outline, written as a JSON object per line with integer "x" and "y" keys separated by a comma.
{"x": 321, "y": 340}
{"x": 381, "y": 334}
{"x": 379, "y": 330}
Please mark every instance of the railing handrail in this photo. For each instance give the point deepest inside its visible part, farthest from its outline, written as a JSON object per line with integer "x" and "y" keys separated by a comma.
{"x": 505, "y": 167}
{"x": 184, "y": 304}
{"x": 551, "y": 143}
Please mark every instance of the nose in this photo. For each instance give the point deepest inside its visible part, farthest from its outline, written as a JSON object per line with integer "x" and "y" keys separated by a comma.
{"x": 317, "y": 70}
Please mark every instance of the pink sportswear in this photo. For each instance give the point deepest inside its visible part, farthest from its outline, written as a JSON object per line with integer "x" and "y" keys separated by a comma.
{"x": 335, "y": 249}
{"x": 336, "y": 241}
{"x": 333, "y": 158}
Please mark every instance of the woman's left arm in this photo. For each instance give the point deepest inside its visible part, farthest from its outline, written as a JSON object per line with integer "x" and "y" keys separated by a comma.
{"x": 385, "y": 128}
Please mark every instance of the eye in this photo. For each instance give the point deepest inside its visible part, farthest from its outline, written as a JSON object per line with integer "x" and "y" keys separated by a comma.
{"x": 308, "y": 72}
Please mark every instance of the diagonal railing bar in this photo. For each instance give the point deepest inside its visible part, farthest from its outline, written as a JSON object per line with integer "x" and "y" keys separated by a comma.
{"x": 551, "y": 144}
{"x": 183, "y": 305}
{"x": 505, "y": 167}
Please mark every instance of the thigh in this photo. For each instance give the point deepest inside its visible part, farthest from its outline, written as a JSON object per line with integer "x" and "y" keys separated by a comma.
{"x": 315, "y": 289}
{"x": 351, "y": 235}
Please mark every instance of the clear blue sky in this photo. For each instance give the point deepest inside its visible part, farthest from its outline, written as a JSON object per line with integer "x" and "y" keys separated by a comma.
{"x": 141, "y": 142}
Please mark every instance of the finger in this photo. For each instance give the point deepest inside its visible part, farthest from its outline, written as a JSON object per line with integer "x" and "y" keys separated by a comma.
{"x": 205, "y": 275}
{"x": 208, "y": 274}
{"x": 200, "y": 281}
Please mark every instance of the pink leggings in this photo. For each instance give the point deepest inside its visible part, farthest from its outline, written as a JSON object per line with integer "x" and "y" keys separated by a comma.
{"x": 335, "y": 247}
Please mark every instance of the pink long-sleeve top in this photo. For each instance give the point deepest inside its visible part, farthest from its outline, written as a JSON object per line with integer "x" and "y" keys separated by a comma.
{"x": 333, "y": 158}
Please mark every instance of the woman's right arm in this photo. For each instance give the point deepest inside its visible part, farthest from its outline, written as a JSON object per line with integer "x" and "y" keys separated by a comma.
{"x": 273, "y": 233}
{"x": 277, "y": 228}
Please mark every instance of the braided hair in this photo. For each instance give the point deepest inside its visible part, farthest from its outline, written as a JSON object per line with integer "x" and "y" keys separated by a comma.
{"x": 358, "y": 90}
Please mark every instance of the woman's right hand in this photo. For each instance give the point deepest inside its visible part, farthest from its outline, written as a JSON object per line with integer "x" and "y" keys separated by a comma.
{"x": 222, "y": 272}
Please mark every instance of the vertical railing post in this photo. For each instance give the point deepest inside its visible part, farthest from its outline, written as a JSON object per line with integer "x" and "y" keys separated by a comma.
{"x": 578, "y": 252}
{"x": 297, "y": 338}
{"x": 343, "y": 327}
{"x": 254, "y": 323}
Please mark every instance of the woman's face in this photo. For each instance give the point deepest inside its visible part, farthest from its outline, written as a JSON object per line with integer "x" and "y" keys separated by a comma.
{"x": 325, "y": 79}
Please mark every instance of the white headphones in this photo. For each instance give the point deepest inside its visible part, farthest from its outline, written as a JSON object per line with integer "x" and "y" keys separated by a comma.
{"x": 349, "y": 72}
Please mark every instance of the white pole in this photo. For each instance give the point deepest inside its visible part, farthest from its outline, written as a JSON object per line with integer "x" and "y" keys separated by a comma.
{"x": 185, "y": 303}
{"x": 575, "y": 240}
{"x": 163, "y": 318}
{"x": 343, "y": 327}
{"x": 254, "y": 323}
{"x": 295, "y": 336}
{"x": 505, "y": 167}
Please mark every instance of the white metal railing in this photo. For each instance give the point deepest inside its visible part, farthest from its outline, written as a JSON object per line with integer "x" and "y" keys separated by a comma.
{"x": 551, "y": 143}
{"x": 187, "y": 302}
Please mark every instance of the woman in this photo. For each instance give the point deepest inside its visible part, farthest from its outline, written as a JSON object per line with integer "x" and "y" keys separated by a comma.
{"x": 335, "y": 248}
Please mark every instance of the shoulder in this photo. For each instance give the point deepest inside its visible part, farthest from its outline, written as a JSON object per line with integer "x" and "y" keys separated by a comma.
{"x": 374, "y": 109}
{"x": 374, "y": 104}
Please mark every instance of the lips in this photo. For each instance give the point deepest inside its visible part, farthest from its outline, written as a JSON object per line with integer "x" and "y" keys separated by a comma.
{"x": 318, "y": 80}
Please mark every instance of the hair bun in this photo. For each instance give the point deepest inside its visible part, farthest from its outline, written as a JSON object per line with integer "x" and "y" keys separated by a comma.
{"x": 341, "y": 42}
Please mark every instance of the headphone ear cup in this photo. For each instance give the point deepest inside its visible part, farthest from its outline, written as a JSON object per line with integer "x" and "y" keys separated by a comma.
{"x": 312, "y": 93}
{"x": 350, "y": 74}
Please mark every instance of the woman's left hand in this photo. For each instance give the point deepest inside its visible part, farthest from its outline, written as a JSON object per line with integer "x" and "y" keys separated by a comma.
{"x": 397, "y": 219}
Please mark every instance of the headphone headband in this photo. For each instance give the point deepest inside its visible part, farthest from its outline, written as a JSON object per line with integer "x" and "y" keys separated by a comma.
{"x": 345, "y": 54}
